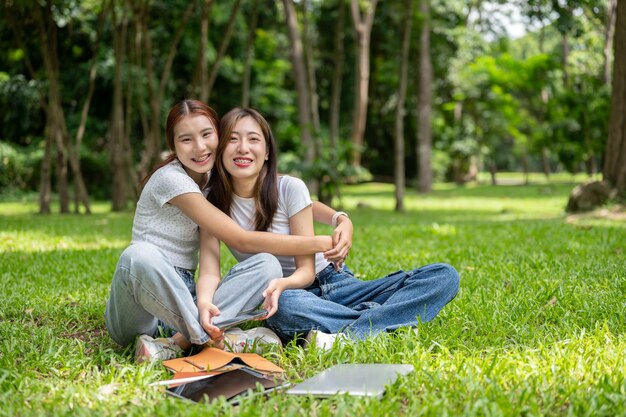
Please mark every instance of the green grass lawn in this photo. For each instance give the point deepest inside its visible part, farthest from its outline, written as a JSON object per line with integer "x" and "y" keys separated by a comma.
{"x": 538, "y": 327}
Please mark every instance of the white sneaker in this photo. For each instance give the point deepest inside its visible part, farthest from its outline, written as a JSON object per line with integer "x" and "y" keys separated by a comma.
{"x": 324, "y": 341}
{"x": 149, "y": 349}
{"x": 256, "y": 340}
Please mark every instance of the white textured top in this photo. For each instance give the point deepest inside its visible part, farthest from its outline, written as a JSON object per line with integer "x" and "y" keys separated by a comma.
{"x": 293, "y": 196}
{"x": 164, "y": 225}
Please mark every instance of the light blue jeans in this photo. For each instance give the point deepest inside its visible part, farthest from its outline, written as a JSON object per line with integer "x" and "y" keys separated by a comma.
{"x": 339, "y": 302}
{"x": 147, "y": 290}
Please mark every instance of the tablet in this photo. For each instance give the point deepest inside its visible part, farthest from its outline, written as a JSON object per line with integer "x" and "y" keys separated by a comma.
{"x": 241, "y": 318}
{"x": 229, "y": 385}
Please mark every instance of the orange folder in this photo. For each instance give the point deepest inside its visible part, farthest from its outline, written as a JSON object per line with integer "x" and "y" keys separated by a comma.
{"x": 216, "y": 360}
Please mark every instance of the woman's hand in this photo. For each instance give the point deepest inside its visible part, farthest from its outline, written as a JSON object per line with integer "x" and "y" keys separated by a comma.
{"x": 207, "y": 313}
{"x": 272, "y": 294}
{"x": 342, "y": 242}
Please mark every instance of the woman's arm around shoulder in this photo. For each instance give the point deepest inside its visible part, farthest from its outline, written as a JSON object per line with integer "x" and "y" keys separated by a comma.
{"x": 218, "y": 224}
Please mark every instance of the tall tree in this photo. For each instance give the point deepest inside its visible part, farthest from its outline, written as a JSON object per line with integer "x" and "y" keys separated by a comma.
{"x": 300, "y": 75}
{"x": 538, "y": 13}
{"x": 80, "y": 190}
{"x": 363, "y": 23}
{"x": 56, "y": 126}
{"x": 201, "y": 78}
{"x": 608, "y": 40}
{"x": 309, "y": 60}
{"x": 615, "y": 157}
{"x": 399, "y": 170}
{"x": 247, "y": 65}
{"x": 119, "y": 145}
{"x": 55, "y": 118}
{"x": 564, "y": 23}
{"x": 11, "y": 11}
{"x": 156, "y": 85}
{"x": 335, "y": 101}
{"x": 424, "y": 104}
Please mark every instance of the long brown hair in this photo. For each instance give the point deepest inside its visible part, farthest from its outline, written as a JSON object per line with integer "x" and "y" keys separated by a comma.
{"x": 180, "y": 110}
{"x": 266, "y": 187}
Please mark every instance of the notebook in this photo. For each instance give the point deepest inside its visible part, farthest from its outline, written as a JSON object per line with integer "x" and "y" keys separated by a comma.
{"x": 354, "y": 379}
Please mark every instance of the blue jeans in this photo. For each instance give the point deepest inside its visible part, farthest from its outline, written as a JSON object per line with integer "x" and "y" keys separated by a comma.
{"x": 339, "y": 302}
{"x": 148, "y": 291}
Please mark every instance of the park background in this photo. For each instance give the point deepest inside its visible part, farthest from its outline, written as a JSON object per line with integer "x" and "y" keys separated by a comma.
{"x": 445, "y": 135}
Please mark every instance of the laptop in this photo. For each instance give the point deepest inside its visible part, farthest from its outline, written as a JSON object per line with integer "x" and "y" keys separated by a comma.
{"x": 355, "y": 379}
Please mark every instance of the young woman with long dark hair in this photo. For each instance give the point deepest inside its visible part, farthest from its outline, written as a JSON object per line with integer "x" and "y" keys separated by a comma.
{"x": 316, "y": 297}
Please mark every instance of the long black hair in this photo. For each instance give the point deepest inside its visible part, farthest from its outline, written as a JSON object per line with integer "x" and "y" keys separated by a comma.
{"x": 266, "y": 187}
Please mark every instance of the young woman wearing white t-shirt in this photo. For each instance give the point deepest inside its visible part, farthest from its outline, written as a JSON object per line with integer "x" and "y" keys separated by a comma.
{"x": 153, "y": 285}
{"x": 317, "y": 297}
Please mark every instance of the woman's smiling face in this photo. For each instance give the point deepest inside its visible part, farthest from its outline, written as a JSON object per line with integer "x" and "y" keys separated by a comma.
{"x": 195, "y": 141}
{"x": 246, "y": 151}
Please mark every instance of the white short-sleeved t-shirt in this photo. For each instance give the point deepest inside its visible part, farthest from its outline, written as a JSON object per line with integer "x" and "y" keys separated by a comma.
{"x": 293, "y": 196}
{"x": 164, "y": 225}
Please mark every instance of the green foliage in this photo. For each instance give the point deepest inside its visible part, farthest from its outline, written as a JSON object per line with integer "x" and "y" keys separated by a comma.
{"x": 498, "y": 101}
{"x": 22, "y": 116}
{"x": 18, "y": 167}
{"x": 537, "y": 328}
{"x": 268, "y": 93}
{"x": 20, "y": 170}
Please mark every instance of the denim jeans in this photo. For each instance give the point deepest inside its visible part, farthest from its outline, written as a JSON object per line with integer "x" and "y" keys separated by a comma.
{"x": 339, "y": 302}
{"x": 147, "y": 290}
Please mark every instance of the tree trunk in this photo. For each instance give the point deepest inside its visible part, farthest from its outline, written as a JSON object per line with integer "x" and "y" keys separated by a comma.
{"x": 120, "y": 181}
{"x": 223, "y": 46}
{"x": 310, "y": 67}
{"x": 57, "y": 126}
{"x": 54, "y": 111}
{"x": 335, "y": 101}
{"x": 424, "y": 106}
{"x": 299, "y": 71}
{"x": 493, "y": 170}
{"x": 80, "y": 189}
{"x": 608, "y": 41}
{"x": 525, "y": 168}
{"x": 317, "y": 182}
{"x": 62, "y": 189}
{"x": 45, "y": 181}
{"x": 566, "y": 49}
{"x": 590, "y": 165}
{"x": 545, "y": 160}
{"x": 399, "y": 170}
{"x": 45, "y": 186}
{"x": 247, "y": 66}
{"x": 130, "y": 92}
{"x": 201, "y": 80}
{"x": 363, "y": 28}
{"x": 614, "y": 171}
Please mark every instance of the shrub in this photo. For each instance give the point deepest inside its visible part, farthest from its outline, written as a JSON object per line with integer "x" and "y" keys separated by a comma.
{"x": 17, "y": 167}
